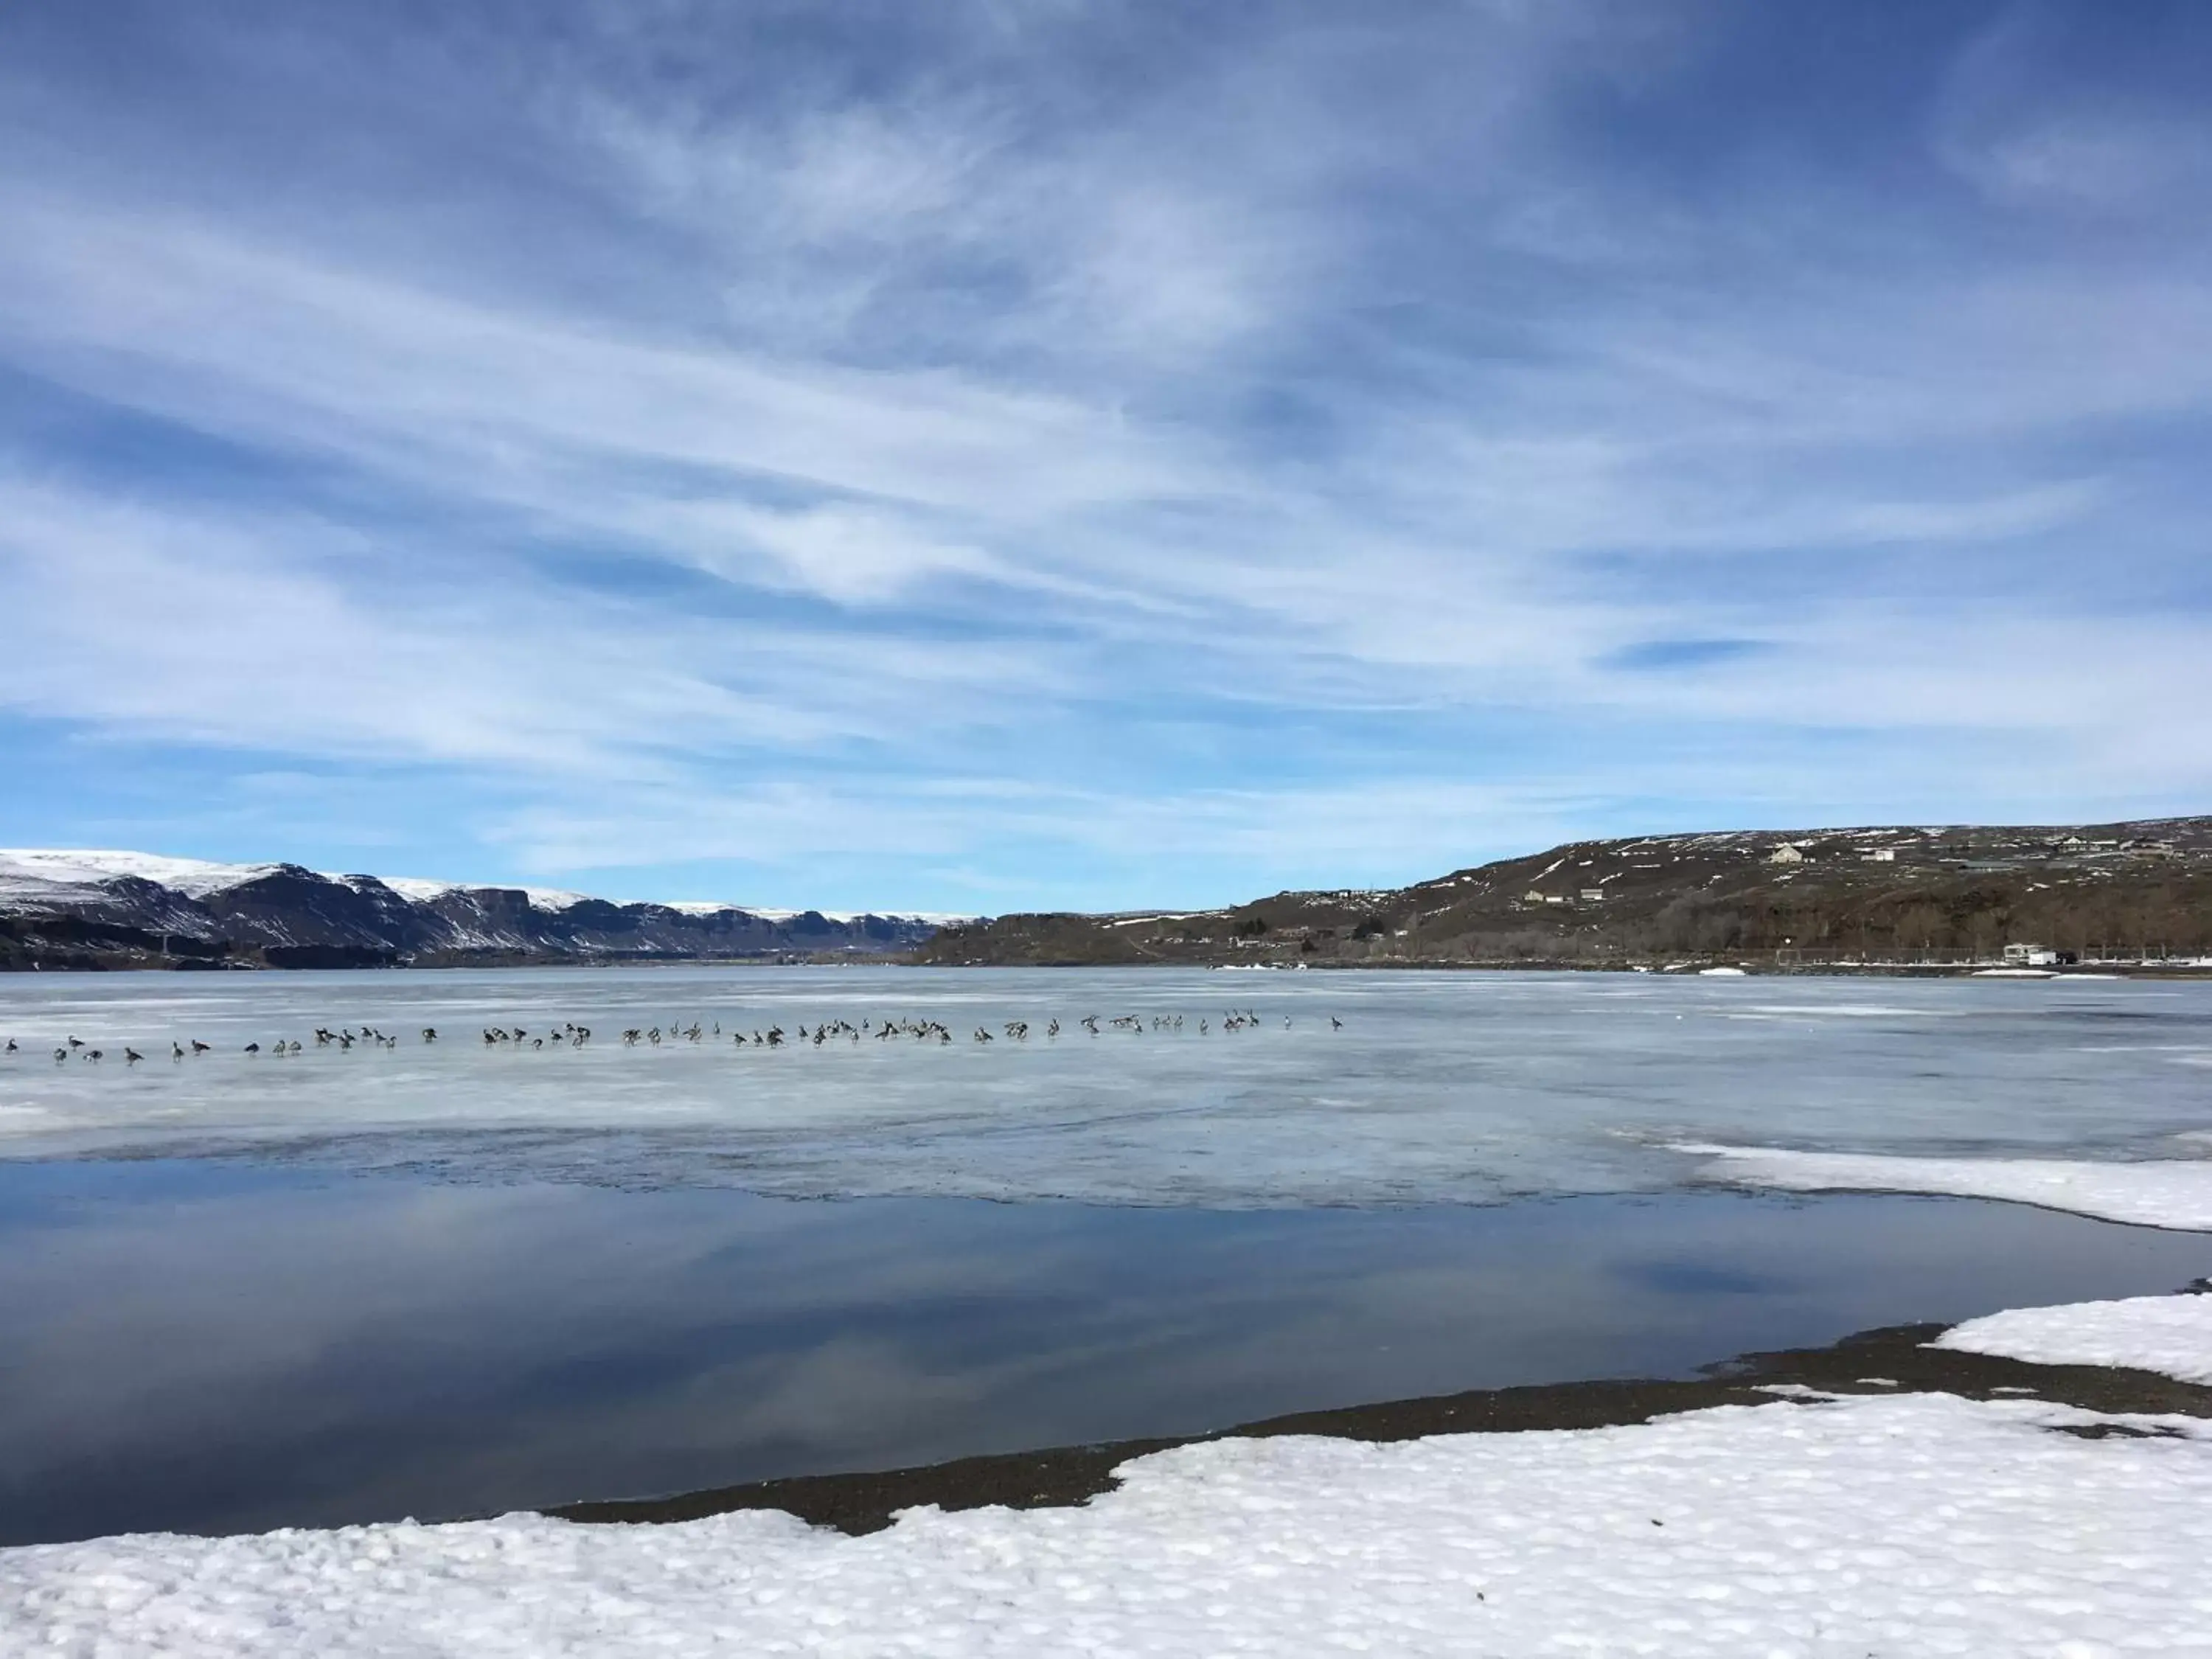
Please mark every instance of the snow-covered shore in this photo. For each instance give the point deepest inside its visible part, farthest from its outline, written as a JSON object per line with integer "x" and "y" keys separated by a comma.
{"x": 1915, "y": 1525}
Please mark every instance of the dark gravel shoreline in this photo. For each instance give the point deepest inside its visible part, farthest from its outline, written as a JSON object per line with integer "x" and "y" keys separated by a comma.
{"x": 1064, "y": 1475}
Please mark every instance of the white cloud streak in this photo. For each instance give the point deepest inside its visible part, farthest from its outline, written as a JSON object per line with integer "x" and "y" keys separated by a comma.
{"x": 858, "y": 429}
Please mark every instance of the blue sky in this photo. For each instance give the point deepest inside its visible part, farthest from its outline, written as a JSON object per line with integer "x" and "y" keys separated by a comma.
{"x": 977, "y": 455}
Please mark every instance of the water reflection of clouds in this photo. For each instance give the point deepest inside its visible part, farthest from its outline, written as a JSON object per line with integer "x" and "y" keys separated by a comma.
{"x": 208, "y": 1346}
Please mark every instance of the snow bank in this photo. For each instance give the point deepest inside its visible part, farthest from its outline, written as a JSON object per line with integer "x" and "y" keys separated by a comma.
{"x": 2169, "y": 1335}
{"x": 1922, "y": 1524}
{"x": 2171, "y": 1193}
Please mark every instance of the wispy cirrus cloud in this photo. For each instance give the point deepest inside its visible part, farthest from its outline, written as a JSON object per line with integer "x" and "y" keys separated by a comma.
{"x": 1117, "y": 447}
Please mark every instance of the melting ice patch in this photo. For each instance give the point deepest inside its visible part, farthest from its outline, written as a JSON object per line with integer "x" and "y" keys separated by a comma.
{"x": 1920, "y": 1524}
{"x": 2174, "y": 1192}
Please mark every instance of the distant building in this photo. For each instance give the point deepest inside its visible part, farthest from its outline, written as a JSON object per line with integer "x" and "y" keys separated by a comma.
{"x": 2030, "y": 955}
{"x": 1532, "y": 897}
{"x": 1593, "y": 896}
{"x": 1878, "y": 856}
{"x": 1785, "y": 854}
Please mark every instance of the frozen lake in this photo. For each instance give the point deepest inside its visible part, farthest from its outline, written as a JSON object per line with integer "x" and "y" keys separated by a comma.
{"x": 441, "y": 1279}
{"x": 1437, "y": 1088}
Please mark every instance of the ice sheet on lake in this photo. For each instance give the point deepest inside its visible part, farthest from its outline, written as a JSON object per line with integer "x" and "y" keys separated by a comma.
{"x": 1921, "y": 1524}
{"x": 2167, "y": 1193}
{"x": 2169, "y": 1335}
{"x": 1438, "y": 1087}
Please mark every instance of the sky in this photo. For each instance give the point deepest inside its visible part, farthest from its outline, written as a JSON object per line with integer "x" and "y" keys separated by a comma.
{"x": 985, "y": 456}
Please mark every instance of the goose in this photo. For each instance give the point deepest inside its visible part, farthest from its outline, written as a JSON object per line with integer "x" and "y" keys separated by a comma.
{"x": 131, "y": 1056}
{"x": 61, "y": 1054}
{"x": 429, "y": 1034}
{"x": 176, "y": 1050}
{"x": 95, "y": 1054}
{"x": 76, "y": 1043}
{"x": 1335, "y": 1024}
{"x": 11, "y": 1045}
{"x": 199, "y": 1048}
{"x": 252, "y": 1048}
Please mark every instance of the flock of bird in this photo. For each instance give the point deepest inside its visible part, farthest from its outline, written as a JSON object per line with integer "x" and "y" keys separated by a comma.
{"x": 569, "y": 1034}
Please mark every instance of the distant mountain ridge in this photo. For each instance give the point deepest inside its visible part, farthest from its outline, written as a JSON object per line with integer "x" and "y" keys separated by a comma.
{"x": 1943, "y": 896}
{"x": 89, "y": 909}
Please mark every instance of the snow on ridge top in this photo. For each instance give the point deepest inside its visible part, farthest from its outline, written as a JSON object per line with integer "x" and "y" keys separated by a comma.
{"x": 33, "y": 871}
{"x": 415, "y": 890}
{"x": 87, "y": 868}
{"x": 554, "y": 898}
{"x": 776, "y": 912}
{"x": 2171, "y": 1193}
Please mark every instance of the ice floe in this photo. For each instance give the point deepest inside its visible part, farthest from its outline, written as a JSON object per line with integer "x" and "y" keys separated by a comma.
{"x": 2174, "y": 1192}
{"x": 2169, "y": 1335}
{"x": 1915, "y": 1524}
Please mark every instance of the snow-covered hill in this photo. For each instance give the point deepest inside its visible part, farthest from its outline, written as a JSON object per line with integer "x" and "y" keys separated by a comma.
{"x": 84, "y": 907}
